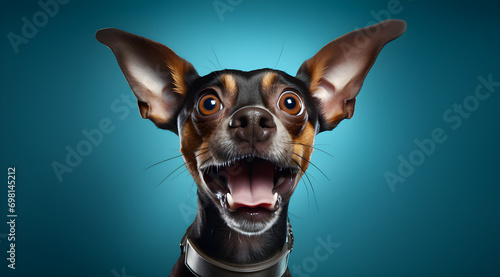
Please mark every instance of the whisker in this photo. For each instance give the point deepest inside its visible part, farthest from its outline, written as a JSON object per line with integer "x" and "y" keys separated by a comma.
{"x": 313, "y": 147}
{"x": 180, "y": 173}
{"x": 166, "y": 160}
{"x": 215, "y": 67}
{"x": 312, "y": 188}
{"x": 170, "y": 174}
{"x": 209, "y": 69}
{"x": 295, "y": 215}
{"x": 312, "y": 165}
{"x": 177, "y": 156}
{"x": 279, "y": 58}
{"x": 307, "y": 191}
{"x": 183, "y": 164}
{"x": 189, "y": 193}
{"x": 205, "y": 161}
{"x": 310, "y": 184}
{"x": 217, "y": 59}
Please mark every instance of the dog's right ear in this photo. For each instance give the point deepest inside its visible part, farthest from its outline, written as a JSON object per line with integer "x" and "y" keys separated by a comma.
{"x": 155, "y": 73}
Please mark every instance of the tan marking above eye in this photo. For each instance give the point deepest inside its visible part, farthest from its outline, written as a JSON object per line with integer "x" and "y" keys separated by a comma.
{"x": 229, "y": 83}
{"x": 268, "y": 81}
{"x": 208, "y": 104}
{"x": 290, "y": 103}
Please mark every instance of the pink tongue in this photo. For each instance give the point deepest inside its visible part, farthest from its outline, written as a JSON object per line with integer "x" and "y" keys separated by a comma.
{"x": 255, "y": 190}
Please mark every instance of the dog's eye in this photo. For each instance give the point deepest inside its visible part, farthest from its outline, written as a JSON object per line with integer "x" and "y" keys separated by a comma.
{"x": 290, "y": 103}
{"x": 209, "y": 104}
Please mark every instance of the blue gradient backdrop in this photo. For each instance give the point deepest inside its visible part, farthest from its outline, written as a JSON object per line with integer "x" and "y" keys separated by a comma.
{"x": 108, "y": 217}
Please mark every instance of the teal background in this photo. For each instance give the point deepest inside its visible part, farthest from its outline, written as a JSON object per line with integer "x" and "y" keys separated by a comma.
{"x": 109, "y": 217}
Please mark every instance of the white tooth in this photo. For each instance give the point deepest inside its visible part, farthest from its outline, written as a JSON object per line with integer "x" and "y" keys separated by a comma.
{"x": 280, "y": 181}
{"x": 230, "y": 200}
{"x": 275, "y": 199}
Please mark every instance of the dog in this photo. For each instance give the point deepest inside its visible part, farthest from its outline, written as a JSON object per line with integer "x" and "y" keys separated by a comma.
{"x": 246, "y": 137}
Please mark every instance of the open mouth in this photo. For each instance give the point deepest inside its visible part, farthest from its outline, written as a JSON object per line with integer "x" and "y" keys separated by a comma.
{"x": 250, "y": 184}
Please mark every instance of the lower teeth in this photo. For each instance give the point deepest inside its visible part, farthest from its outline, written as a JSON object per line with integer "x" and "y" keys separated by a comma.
{"x": 230, "y": 201}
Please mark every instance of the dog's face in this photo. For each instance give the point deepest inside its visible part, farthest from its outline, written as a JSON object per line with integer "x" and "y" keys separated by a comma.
{"x": 247, "y": 137}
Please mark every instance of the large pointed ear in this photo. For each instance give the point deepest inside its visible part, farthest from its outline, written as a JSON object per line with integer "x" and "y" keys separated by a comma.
{"x": 336, "y": 73}
{"x": 157, "y": 76}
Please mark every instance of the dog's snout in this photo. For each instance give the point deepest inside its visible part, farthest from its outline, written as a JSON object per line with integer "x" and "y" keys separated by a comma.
{"x": 252, "y": 125}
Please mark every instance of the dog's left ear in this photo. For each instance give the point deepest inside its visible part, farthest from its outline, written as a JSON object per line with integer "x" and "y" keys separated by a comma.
{"x": 157, "y": 76}
{"x": 336, "y": 73}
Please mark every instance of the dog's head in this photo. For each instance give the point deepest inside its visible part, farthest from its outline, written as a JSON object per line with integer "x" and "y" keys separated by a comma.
{"x": 247, "y": 137}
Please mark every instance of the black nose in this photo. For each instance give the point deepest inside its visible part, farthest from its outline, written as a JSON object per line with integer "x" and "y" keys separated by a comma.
{"x": 252, "y": 125}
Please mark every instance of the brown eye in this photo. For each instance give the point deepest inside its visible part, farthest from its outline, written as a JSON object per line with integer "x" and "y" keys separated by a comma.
{"x": 209, "y": 104}
{"x": 290, "y": 103}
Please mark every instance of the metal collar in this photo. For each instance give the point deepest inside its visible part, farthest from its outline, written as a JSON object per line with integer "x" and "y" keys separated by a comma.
{"x": 202, "y": 265}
